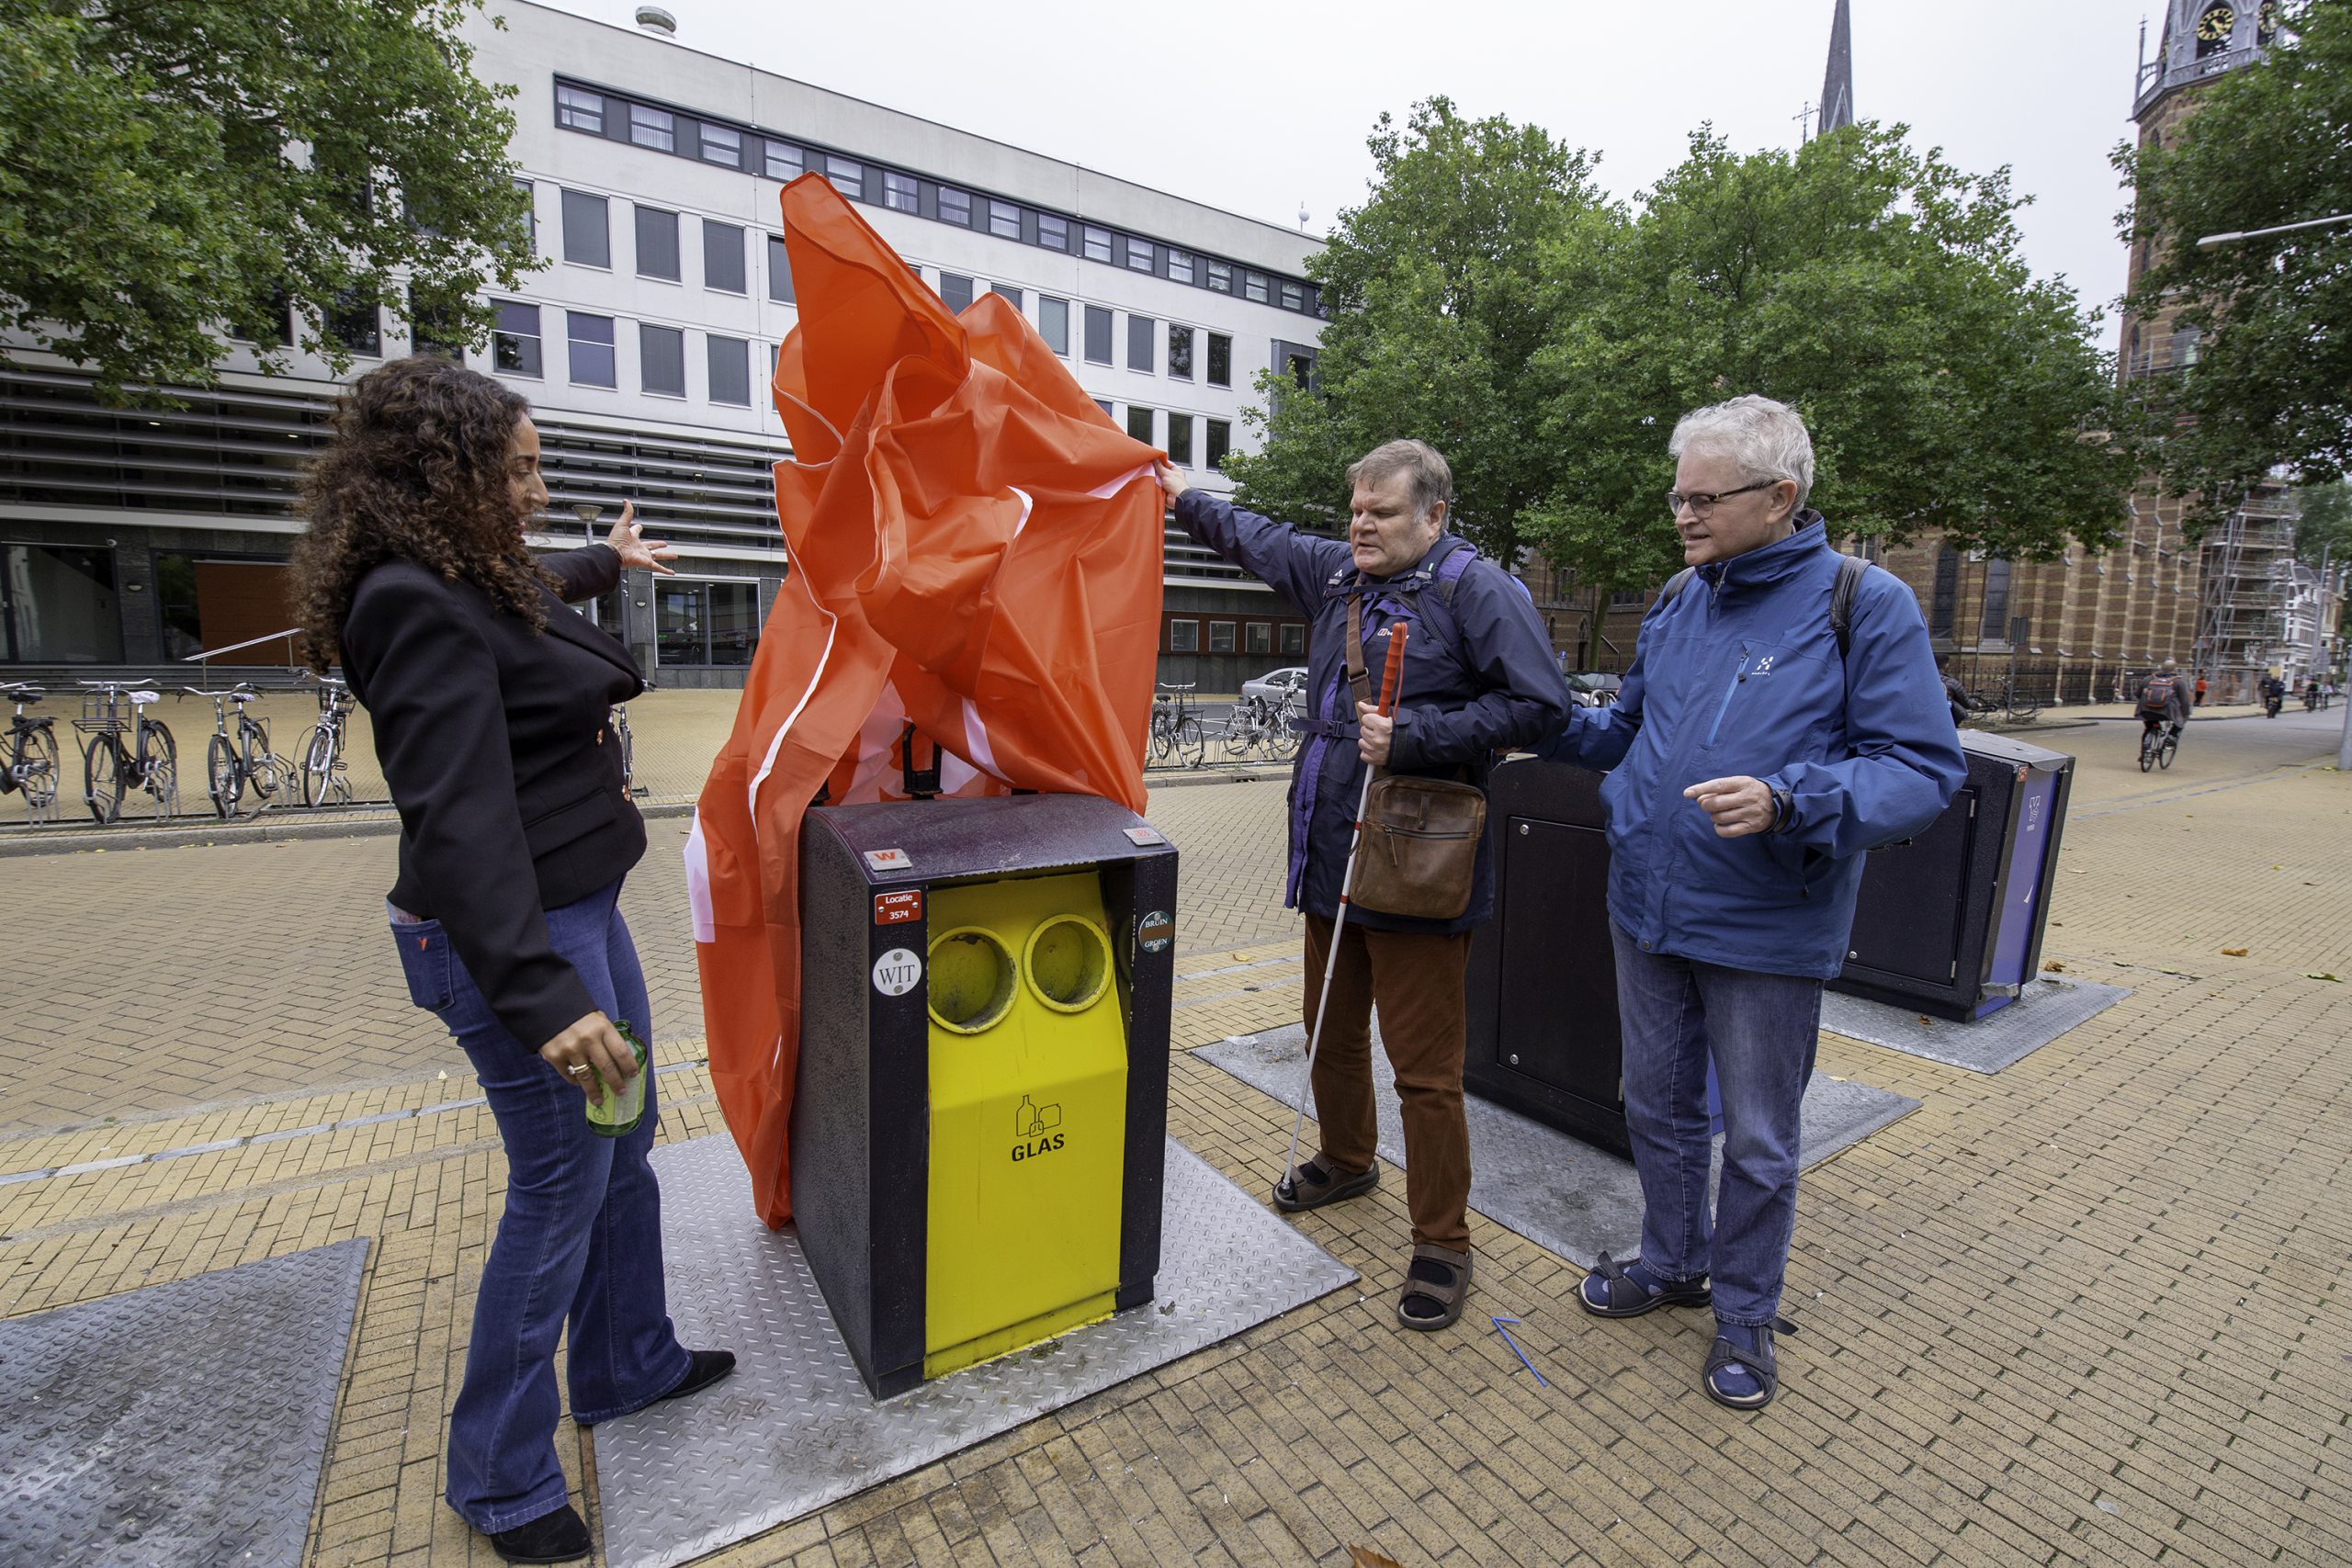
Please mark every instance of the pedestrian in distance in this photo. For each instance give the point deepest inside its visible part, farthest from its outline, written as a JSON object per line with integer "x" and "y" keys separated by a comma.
{"x": 1955, "y": 695}
{"x": 490, "y": 703}
{"x": 2200, "y": 691}
{"x": 2274, "y": 693}
{"x": 2162, "y": 702}
{"x": 1757, "y": 748}
{"x": 1478, "y": 678}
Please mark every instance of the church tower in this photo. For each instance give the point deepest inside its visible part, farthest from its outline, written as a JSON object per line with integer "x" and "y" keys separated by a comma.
{"x": 1837, "y": 81}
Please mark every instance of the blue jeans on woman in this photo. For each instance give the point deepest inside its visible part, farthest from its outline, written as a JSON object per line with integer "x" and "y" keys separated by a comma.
{"x": 1762, "y": 1031}
{"x": 580, "y": 1242}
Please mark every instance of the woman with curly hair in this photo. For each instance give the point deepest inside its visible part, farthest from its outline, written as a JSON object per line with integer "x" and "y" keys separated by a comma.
{"x": 492, "y": 704}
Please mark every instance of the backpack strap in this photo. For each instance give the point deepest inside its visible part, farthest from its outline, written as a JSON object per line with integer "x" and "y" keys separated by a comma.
{"x": 1841, "y": 595}
{"x": 1676, "y": 584}
{"x": 1358, "y": 677}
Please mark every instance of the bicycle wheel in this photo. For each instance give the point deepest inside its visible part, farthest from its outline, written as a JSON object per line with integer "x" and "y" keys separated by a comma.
{"x": 224, "y": 779}
{"x": 1233, "y": 738}
{"x": 318, "y": 765}
{"x": 1284, "y": 741}
{"x": 2147, "y": 751}
{"x": 263, "y": 766}
{"x": 102, "y": 777}
{"x": 629, "y": 758}
{"x": 2164, "y": 752}
{"x": 1163, "y": 739}
{"x": 1191, "y": 745}
{"x": 159, "y": 769}
{"x": 37, "y": 774}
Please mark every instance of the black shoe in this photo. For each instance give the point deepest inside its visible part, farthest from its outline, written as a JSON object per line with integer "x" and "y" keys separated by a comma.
{"x": 705, "y": 1369}
{"x": 560, "y": 1537}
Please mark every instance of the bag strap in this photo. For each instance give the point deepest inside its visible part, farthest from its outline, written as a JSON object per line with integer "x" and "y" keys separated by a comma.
{"x": 1358, "y": 677}
{"x": 1841, "y": 595}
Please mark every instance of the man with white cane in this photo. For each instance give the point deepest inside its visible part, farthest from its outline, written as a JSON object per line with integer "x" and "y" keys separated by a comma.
{"x": 1477, "y": 678}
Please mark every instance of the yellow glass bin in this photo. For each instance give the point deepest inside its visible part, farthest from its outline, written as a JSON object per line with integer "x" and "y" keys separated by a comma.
{"x": 976, "y": 1158}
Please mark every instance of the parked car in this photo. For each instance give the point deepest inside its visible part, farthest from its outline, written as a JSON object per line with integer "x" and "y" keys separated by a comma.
{"x": 1276, "y": 685}
{"x": 1594, "y": 688}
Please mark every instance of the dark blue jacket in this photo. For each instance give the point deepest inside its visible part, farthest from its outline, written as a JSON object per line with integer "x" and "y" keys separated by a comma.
{"x": 1740, "y": 674}
{"x": 1480, "y": 678}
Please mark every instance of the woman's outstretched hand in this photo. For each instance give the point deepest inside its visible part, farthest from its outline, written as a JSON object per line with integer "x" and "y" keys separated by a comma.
{"x": 627, "y": 538}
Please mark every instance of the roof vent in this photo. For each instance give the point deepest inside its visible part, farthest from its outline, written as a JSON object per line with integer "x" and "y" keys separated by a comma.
{"x": 657, "y": 21}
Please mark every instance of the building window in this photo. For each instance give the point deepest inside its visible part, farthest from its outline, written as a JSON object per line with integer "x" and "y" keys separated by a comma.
{"x": 589, "y": 339}
{"x": 900, "y": 192}
{"x": 1004, "y": 221}
{"x": 1220, "y": 636}
{"x": 530, "y": 214}
{"x": 1139, "y": 423}
{"x": 661, "y": 360}
{"x": 722, "y": 146}
{"x": 779, "y": 271}
{"x": 1179, "y": 351}
{"x": 1098, "y": 244}
{"x": 1220, "y": 442}
{"x": 848, "y": 176}
{"x": 1011, "y": 295}
{"x": 1257, "y": 637}
{"x": 577, "y": 110}
{"x": 783, "y": 163}
{"x": 955, "y": 207}
{"x": 1142, "y": 333}
{"x": 723, "y": 258}
{"x": 1053, "y": 324}
{"x": 1180, "y": 266}
{"x": 585, "y": 239}
{"x": 1104, "y": 404}
{"x": 429, "y": 329}
{"x": 956, "y": 290}
{"x": 1294, "y": 297}
{"x": 1053, "y": 232}
{"x": 706, "y": 623}
{"x": 1253, "y": 287}
{"x": 59, "y": 605}
{"x": 731, "y": 370}
{"x": 657, "y": 243}
{"x": 1220, "y": 277}
{"x": 1139, "y": 256}
{"x": 1184, "y": 636}
{"x": 1294, "y": 637}
{"x": 1098, "y": 335}
{"x": 1180, "y": 439}
{"x": 657, "y": 129}
{"x": 1994, "y": 624}
{"x": 1945, "y": 603}
{"x": 1220, "y": 360}
{"x": 352, "y": 322}
{"x": 514, "y": 345}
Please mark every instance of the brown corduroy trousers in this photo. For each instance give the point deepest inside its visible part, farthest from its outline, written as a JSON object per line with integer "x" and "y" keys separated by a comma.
{"x": 1415, "y": 980}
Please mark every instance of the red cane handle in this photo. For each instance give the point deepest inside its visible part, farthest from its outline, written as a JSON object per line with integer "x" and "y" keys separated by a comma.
{"x": 1393, "y": 676}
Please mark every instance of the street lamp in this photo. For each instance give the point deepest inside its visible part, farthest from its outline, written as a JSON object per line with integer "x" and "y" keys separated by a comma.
{"x": 2234, "y": 235}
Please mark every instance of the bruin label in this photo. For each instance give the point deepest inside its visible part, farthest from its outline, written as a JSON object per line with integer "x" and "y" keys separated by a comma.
{"x": 897, "y": 908}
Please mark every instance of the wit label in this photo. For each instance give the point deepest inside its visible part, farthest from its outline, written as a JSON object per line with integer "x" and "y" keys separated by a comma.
{"x": 897, "y": 972}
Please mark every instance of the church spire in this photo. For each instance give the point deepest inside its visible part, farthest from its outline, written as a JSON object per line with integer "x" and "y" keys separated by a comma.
{"x": 1838, "y": 82}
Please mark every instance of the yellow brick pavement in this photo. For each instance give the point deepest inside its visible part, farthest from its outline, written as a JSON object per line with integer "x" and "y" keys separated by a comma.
{"x": 2086, "y": 1311}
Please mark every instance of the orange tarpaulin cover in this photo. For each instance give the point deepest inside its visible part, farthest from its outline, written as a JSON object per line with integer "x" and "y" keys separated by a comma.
{"x": 974, "y": 551}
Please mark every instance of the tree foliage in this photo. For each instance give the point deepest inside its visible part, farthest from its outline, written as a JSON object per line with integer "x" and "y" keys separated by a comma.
{"x": 2324, "y": 529}
{"x": 2269, "y": 143}
{"x": 170, "y": 169}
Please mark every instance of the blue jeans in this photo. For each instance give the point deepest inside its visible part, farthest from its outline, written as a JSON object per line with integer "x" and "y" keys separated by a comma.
{"x": 580, "y": 1242}
{"x": 1763, "y": 1031}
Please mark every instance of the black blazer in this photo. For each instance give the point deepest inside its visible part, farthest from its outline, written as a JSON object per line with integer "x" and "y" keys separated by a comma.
{"x": 495, "y": 740}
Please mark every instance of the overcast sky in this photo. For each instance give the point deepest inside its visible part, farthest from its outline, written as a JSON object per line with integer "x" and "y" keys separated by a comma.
{"x": 1260, "y": 106}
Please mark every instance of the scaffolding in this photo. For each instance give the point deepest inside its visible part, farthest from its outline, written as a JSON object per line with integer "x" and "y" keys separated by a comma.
{"x": 2247, "y": 567}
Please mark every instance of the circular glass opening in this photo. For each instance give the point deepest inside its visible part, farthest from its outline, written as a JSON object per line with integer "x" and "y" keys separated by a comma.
{"x": 971, "y": 980}
{"x": 1068, "y": 962}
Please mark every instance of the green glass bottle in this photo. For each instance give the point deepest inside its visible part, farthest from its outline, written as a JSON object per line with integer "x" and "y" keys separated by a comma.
{"x": 617, "y": 1112}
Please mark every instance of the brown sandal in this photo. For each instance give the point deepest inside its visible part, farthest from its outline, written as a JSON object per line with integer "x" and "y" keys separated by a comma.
{"x": 1314, "y": 1184}
{"x": 1440, "y": 1276}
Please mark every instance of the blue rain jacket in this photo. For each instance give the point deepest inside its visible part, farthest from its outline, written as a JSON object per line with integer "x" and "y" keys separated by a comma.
{"x": 1480, "y": 678}
{"x": 1739, "y": 674}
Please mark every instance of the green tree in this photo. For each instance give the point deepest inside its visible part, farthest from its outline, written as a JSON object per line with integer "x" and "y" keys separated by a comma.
{"x": 1436, "y": 293}
{"x": 2324, "y": 531}
{"x": 1879, "y": 291}
{"x": 170, "y": 169}
{"x": 2269, "y": 144}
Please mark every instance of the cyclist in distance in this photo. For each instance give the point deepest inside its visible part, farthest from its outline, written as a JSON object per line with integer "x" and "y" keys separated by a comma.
{"x": 2163, "y": 701}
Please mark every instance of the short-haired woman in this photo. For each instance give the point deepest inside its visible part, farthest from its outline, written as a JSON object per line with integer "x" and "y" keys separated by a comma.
{"x": 490, "y": 704}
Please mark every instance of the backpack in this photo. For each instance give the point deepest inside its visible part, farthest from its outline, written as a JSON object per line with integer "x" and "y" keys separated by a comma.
{"x": 1841, "y": 595}
{"x": 2157, "y": 695}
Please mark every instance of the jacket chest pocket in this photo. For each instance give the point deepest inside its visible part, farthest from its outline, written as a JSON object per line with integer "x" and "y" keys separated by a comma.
{"x": 1746, "y": 690}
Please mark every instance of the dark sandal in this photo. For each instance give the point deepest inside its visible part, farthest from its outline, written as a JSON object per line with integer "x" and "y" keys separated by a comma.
{"x": 1763, "y": 1364}
{"x": 1624, "y": 1296}
{"x": 1314, "y": 1184}
{"x": 1441, "y": 1276}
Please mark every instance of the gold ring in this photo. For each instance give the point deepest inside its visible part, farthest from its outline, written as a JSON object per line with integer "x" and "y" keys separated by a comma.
{"x": 577, "y": 1068}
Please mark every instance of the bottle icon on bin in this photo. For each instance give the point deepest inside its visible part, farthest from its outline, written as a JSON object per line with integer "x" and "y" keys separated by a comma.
{"x": 1031, "y": 1121}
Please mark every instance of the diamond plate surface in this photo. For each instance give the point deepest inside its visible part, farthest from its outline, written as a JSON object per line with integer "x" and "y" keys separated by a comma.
{"x": 135, "y": 1430}
{"x": 1555, "y": 1190}
{"x": 795, "y": 1429}
{"x": 2045, "y": 1009}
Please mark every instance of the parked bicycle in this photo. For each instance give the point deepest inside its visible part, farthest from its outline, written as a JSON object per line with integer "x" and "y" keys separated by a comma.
{"x": 324, "y": 777}
{"x": 1256, "y": 724}
{"x": 2157, "y": 746}
{"x": 1176, "y": 733}
{"x": 127, "y": 751}
{"x": 31, "y": 764}
{"x": 232, "y": 762}
{"x": 628, "y": 750}
{"x": 2007, "y": 701}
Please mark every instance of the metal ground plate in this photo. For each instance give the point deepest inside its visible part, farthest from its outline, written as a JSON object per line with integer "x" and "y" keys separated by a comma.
{"x": 2045, "y": 1009}
{"x": 180, "y": 1423}
{"x": 1557, "y": 1191}
{"x": 793, "y": 1429}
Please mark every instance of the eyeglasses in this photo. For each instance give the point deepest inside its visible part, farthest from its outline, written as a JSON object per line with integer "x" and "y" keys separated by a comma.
{"x": 1702, "y": 503}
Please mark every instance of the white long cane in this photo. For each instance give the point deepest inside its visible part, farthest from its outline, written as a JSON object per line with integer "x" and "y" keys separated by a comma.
{"x": 1391, "y": 677}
